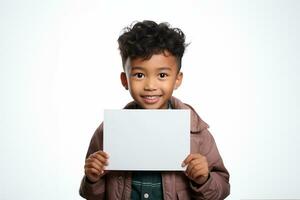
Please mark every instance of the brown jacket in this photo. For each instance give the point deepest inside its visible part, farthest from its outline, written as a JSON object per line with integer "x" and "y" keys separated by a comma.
{"x": 117, "y": 184}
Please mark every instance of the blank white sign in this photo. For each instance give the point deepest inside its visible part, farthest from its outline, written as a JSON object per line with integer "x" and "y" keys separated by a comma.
{"x": 146, "y": 139}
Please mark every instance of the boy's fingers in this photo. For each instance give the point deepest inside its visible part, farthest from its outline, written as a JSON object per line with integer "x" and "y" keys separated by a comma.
{"x": 189, "y": 158}
{"x": 198, "y": 171}
{"x": 102, "y": 153}
{"x": 100, "y": 158}
{"x": 94, "y": 160}
{"x": 193, "y": 165}
{"x": 93, "y": 171}
{"x": 94, "y": 163}
{"x": 92, "y": 168}
{"x": 189, "y": 168}
{"x": 195, "y": 162}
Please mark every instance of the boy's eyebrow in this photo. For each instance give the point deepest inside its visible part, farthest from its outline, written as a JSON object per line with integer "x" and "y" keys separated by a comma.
{"x": 165, "y": 68}
{"x": 136, "y": 68}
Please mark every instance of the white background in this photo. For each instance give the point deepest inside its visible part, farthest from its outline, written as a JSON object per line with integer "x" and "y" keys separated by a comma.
{"x": 60, "y": 66}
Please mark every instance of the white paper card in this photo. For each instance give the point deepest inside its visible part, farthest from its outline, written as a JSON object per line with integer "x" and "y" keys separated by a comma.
{"x": 146, "y": 139}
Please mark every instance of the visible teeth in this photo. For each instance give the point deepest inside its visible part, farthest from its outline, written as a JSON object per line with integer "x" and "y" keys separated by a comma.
{"x": 151, "y": 97}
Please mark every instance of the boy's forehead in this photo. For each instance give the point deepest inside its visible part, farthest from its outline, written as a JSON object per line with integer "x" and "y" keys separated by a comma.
{"x": 155, "y": 61}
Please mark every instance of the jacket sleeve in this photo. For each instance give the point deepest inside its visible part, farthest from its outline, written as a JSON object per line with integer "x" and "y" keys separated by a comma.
{"x": 88, "y": 190}
{"x": 217, "y": 186}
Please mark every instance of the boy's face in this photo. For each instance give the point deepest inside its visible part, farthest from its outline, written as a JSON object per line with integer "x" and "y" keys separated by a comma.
{"x": 151, "y": 82}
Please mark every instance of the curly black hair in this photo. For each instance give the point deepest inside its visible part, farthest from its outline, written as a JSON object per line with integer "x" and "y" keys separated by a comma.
{"x": 146, "y": 38}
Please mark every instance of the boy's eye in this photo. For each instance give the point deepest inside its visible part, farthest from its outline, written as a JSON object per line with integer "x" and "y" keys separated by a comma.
{"x": 163, "y": 75}
{"x": 138, "y": 75}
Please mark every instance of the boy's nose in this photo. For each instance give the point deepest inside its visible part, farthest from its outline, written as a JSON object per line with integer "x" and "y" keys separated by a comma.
{"x": 150, "y": 85}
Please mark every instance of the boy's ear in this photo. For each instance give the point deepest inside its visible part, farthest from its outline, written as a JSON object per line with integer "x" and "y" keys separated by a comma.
{"x": 178, "y": 80}
{"x": 124, "y": 80}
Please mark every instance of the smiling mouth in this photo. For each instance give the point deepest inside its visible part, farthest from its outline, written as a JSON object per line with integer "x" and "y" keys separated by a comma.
{"x": 151, "y": 99}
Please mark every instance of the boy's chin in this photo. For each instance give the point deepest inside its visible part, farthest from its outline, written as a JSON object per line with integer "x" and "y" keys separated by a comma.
{"x": 153, "y": 106}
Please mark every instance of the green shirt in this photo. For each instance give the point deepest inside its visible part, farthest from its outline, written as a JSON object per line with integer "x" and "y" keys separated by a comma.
{"x": 146, "y": 185}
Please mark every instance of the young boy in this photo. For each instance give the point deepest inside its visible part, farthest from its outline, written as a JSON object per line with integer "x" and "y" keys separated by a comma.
{"x": 151, "y": 57}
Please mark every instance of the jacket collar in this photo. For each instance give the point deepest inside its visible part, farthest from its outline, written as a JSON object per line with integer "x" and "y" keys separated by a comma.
{"x": 197, "y": 124}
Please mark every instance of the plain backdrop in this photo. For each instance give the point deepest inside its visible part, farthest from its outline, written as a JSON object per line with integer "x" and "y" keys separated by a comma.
{"x": 60, "y": 66}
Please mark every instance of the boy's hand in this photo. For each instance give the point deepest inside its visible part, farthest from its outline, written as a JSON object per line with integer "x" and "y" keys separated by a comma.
{"x": 197, "y": 168}
{"x": 95, "y": 165}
